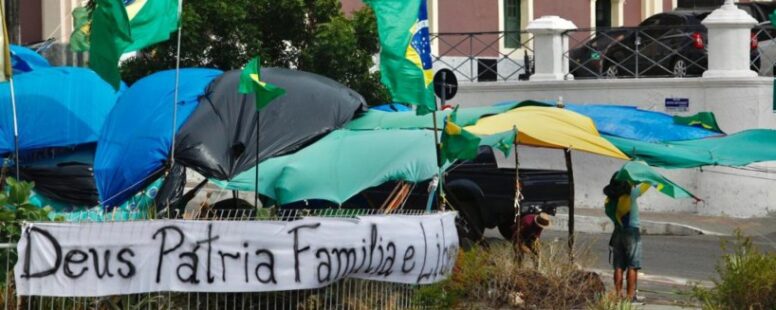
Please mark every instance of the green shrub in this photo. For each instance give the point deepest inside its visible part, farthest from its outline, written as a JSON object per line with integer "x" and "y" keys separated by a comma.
{"x": 747, "y": 279}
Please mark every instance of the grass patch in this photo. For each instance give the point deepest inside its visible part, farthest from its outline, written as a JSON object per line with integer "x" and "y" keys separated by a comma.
{"x": 746, "y": 278}
{"x": 491, "y": 277}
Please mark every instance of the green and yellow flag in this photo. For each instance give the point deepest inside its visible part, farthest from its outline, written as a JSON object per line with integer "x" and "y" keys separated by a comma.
{"x": 405, "y": 52}
{"x": 250, "y": 82}
{"x": 79, "y": 39}
{"x": 457, "y": 143}
{"x": 636, "y": 172}
{"x": 121, "y": 26}
{"x": 705, "y": 120}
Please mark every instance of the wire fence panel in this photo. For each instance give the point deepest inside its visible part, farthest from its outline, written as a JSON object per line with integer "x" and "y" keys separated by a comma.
{"x": 637, "y": 52}
{"x": 764, "y": 39}
{"x": 349, "y": 293}
{"x": 484, "y": 56}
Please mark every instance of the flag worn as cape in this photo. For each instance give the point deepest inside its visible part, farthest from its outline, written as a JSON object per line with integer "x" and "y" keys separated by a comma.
{"x": 250, "y": 82}
{"x": 405, "y": 51}
{"x": 117, "y": 28}
{"x": 457, "y": 143}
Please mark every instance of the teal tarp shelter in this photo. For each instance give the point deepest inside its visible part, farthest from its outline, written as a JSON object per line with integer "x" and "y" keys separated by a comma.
{"x": 342, "y": 164}
{"x": 739, "y": 149}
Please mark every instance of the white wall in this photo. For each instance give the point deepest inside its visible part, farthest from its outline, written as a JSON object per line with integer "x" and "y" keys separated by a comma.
{"x": 738, "y": 104}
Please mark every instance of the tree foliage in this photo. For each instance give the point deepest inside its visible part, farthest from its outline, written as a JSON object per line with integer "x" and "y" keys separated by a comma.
{"x": 310, "y": 35}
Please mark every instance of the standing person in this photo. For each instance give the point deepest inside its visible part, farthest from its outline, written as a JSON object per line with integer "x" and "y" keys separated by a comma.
{"x": 625, "y": 245}
{"x": 531, "y": 227}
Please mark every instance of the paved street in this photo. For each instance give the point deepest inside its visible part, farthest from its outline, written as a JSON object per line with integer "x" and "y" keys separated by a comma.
{"x": 669, "y": 262}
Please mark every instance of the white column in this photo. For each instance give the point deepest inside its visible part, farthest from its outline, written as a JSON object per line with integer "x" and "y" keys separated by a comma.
{"x": 549, "y": 46}
{"x": 729, "y": 42}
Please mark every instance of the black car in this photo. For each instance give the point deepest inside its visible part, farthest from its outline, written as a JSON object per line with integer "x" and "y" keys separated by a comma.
{"x": 484, "y": 194}
{"x": 666, "y": 44}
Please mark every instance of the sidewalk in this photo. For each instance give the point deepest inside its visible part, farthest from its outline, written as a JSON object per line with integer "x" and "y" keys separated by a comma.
{"x": 653, "y": 223}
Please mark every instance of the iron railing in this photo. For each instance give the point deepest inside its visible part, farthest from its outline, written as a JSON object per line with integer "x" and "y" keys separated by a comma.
{"x": 344, "y": 294}
{"x": 484, "y": 56}
{"x": 637, "y": 52}
{"x": 765, "y": 58}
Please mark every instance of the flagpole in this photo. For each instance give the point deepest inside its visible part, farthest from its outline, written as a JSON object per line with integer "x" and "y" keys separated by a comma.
{"x": 256, "y": 183}
{"x": 175, "y": 96}
{"x": 15, "y": 126}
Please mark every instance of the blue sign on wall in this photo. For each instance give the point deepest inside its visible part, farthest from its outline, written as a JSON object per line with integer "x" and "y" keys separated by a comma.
{"x": 677, "y": 104}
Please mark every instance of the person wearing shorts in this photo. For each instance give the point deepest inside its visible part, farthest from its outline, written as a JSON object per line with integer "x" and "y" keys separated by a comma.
{"x": 625, "y": 244}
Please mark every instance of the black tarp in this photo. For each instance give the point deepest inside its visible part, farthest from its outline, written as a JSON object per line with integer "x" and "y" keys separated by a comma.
{"x": 63, "y": 174}
{"x": 219, "y": 138}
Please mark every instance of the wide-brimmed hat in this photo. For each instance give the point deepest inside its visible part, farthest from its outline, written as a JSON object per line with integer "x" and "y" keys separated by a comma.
{"x": 542, "y": 219}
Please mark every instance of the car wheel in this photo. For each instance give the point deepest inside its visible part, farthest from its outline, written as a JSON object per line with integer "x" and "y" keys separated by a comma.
{"x": 679, "y": 69}
{"x": 468, "y": 222}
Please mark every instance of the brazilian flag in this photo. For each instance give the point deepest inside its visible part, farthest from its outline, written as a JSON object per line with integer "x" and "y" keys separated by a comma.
{"x": 405, "y": 52}
{"x": 250, "y": 82}
{"x": 121, "y": 26}
{"x": 637, "y": 172}
{"x": 705, "y": 120}
{"x": 457, "y": 143}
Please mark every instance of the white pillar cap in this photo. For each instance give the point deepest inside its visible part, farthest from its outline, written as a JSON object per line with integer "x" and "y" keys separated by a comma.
{"x": 729, "y": 15}
{"x": 549, "y": 24}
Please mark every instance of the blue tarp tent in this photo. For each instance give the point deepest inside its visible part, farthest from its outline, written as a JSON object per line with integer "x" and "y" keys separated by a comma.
{"x": 56, "y": 107}
{"x": 137, "y": 138}
{"x": 632, "y": 123}
{"x": 25, "y": 60}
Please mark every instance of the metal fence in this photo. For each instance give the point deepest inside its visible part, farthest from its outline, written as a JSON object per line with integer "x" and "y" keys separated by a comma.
{"x": 484, "y": 56}
{"x": 637, "y": 52}
{"x": 763, "y": 36}
{"x": 344, "y": 294}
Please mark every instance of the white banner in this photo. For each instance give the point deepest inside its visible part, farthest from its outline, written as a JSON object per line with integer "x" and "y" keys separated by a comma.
{"x": 99, "y": 259}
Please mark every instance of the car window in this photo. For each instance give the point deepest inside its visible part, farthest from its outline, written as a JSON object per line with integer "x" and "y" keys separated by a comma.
{"x": 663, "y": 20}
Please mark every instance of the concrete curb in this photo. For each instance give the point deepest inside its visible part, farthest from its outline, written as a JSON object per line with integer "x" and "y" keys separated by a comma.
{"x": 600, "y": 224}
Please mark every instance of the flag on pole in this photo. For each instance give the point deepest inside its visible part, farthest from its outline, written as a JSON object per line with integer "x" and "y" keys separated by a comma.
{"x": 121, "y": 26}
{"x": 79, "y": 39}
{"x": 457, "y": 143}
{"x": 405, "y": 52}
{"x": 7, "y": 65}
{"x": 503, "y": 141}
{"x": 250, "y": 82}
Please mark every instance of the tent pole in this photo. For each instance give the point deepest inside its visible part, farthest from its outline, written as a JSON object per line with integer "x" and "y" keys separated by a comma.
{"x": 15, "y": 127}
{"x": 570, "y": 171}
{"x": 439, "y": 147}
{"x": 517, "y": 219}
{"x": 175, "y": 96}
{"x": 177, "y": 82}
{"x": 438, "y": 191}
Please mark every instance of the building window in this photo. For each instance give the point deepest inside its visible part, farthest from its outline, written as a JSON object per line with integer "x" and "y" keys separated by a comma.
{"x": 603, "y": 13}
{"x": 512, "y": 23}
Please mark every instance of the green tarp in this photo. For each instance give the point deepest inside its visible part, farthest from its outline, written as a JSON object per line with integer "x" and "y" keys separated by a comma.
{"x": 739, "y": 149}
{"x": 375, "y": 119}
{"x": 346, "y": 162}
{"x": 342, "y": 164}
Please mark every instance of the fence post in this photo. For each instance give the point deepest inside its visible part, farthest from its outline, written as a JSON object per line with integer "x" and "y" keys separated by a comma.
{"x": 729, "y": 42}
{"x": 549, "y": 46}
